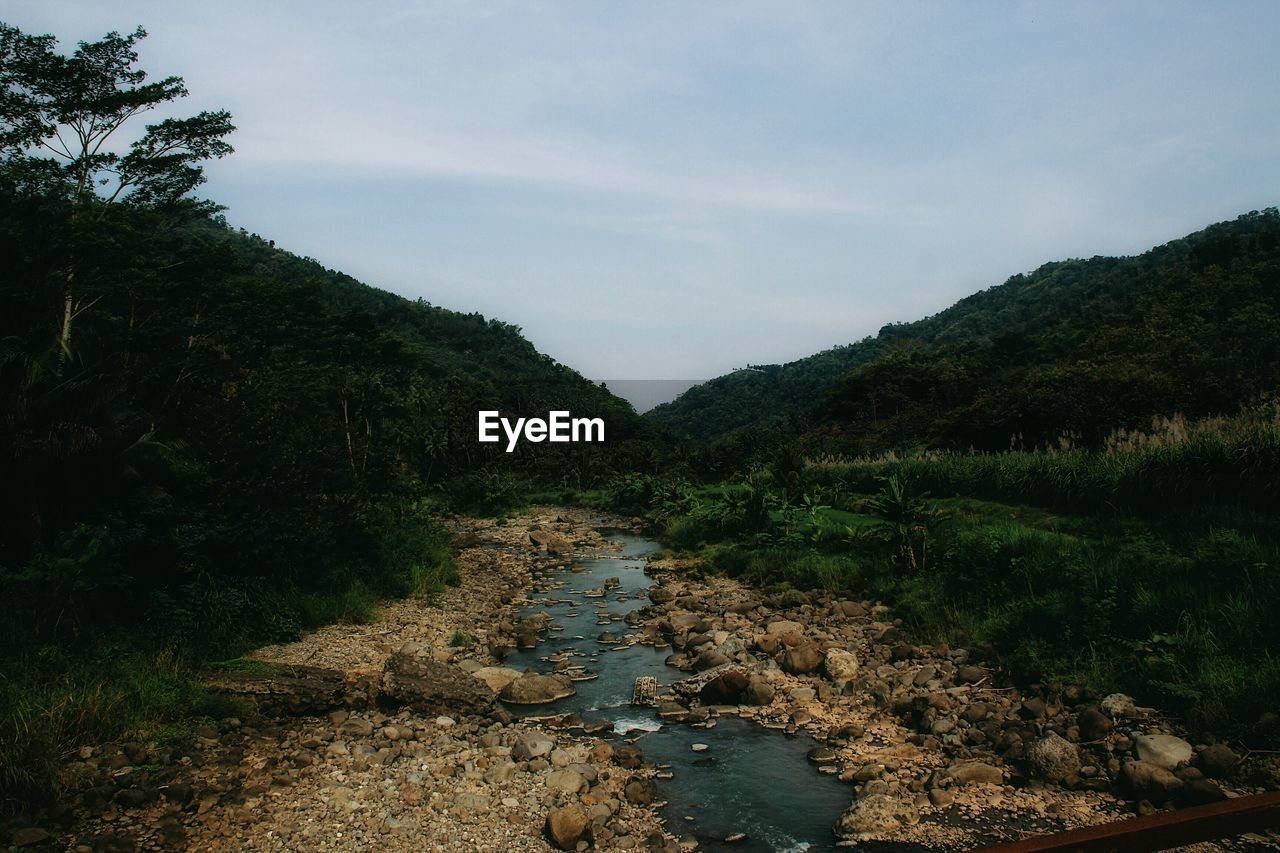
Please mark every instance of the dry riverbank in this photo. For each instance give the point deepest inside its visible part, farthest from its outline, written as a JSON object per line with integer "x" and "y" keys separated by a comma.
{"x": 386, "y": 736}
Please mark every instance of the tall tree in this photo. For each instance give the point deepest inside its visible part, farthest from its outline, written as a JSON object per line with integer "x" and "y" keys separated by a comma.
{"x": 62, "y": 120}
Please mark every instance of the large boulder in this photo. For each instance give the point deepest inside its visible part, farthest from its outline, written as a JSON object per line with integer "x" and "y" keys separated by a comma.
{"x": 974, "y": 773}
{"x": 1053, "y": 757}
{"x": 1218, "y": 761}
{"x": 566, "y": 781}
{"x": 532, "y": 745}
{"x": 709, "y": 659}
{"x": 877, "y": 817}
{"x": 533, "y": 688}
{"x": 784, "y": 628}
{"x": 553, "y": 542}
{"x": 841, "y": 666}
{"x": 283, "y": 690}
{"x": 729, "y": 688}
{"x": 760, "y": 691}
{"x": 565, "y": 826}
{"x": 497, "y": 677}
{"x": 414, "y": 679}
{"x": 803, "y": 658}
{"x": 1164, "y": 751}
{"x": 1094, "y": 724}
{"x": 1150, "y": 781}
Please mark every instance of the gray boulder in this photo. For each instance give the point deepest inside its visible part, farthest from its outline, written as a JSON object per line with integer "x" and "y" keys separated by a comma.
{"x": 413, "y": 679}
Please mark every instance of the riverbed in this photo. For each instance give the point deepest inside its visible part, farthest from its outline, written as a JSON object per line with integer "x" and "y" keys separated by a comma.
{"x": 750, "y": 780}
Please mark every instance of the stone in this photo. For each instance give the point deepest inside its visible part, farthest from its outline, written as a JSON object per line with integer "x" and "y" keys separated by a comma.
{"x": 1200, "y": 792}
{"x": 628, "y": 756}
{"x": 877, "y": 817}
{"x": 566, "y": 781}
{"x": 801, "y": 659}
{"x": 1164, "y": 751}
{"x": 1094, "y": 725}
{"x": 532, "y": 745}
{"x": 285, "y": 690}
{"x": 1150, "y": 781}
{"x": 1217, "y": 761}
{"x": 709, "y": 660}
{"x": 533, "y": 688}
{"x": 941, "y": 797}
{"x": 975, "y": 772}
{"x": 641, "y": 792}
{"x": 28, "y": 836}
{"x": 661, "y": 595}
{"x": 497, "y": 677}
{"x": 784, "y": 628}
{"x": 1054, "y": 758}
{"x": 822, "y": 755}
{"x": 760, "y": 691}
{"x": 840, "y": 665}
{"x": 413, "y": 679}
{"x": 1119, "y": 705}
{"x": 565, "y": 826}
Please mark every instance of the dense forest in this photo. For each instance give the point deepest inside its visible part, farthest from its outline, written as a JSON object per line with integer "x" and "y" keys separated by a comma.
{"x": 1076, "y": 348}
{"x": 208, "y": 441}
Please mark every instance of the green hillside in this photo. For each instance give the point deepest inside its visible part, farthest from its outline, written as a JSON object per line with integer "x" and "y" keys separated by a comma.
{"x": 1076, "y": 346}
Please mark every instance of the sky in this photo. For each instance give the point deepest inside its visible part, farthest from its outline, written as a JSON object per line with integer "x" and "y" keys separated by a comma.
{"x": 665, "y": 190}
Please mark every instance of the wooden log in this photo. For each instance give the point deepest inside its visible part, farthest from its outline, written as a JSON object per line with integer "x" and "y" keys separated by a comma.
{"x": 1225, "y": 819}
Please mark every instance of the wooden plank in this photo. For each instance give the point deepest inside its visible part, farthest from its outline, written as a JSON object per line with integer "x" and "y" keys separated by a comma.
{"x": 1226, "y": 819}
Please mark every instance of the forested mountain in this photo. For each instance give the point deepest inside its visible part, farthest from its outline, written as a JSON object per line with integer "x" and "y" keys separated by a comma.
{"x": 1077, "y": 346}
{"x": 206, "y": 440}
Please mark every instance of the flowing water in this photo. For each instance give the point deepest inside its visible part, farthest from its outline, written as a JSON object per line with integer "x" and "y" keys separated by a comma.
{"x": 750, "y": 780}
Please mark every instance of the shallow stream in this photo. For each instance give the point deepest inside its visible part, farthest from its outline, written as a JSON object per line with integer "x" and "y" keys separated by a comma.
{"x": 750, "y": 780}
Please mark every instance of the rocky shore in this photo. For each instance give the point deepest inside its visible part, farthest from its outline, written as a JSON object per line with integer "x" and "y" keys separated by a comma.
{"x": 384, "y": 736}
{"x": 938, "y": 748}
{"x": 389, "y": 736}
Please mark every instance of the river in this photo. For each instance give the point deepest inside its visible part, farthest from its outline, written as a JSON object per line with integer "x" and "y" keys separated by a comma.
{"x": 750, "y": 779}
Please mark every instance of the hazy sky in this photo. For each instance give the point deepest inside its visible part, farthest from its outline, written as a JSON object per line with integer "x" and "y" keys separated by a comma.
{"x": 673, "y": 190}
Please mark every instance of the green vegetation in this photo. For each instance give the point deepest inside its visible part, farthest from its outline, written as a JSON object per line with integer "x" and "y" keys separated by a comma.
{"x": 1074, "y": 349}
{"x": 1149, "y": 566}
{"x": 210, "y": 443}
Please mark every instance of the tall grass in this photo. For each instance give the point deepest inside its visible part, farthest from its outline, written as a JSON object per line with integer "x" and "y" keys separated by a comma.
{"x": 1177, "y": 465}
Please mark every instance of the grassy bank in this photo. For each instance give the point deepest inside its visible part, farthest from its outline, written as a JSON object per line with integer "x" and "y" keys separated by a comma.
{"x": 1149, "y": 566}
{"x": 102, "y": 677}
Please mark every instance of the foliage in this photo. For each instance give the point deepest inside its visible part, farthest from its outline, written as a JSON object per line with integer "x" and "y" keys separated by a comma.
{"x": 1075, "y": 348}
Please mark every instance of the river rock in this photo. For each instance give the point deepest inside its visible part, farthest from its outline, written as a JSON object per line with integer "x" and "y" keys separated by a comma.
{"x": 784, "y": 628}
{"x": 28, "y": 836}
{"x": 497, "y": 677}
{"x": 661, "y": 595}
{"x": 628, "y": 756}
{"x": 1218, "y": 761}
{"x": 533, "y": 688}
{"x": 730, "y": 688}
{"x": 841, "y": 666}
{"x": 565, "y": 826}
{"x": 975, "y": 772}
{"x": 878, "y": 816}
{"x": 803, "y": 658}
{"x": 1164, "y": 751}
{"x": 709, "y": 659}
{"x": 641, "y": 792}
{"x": 1150, "y": 781}
{"x": 566, "y": 781}
{"x": 1094, "y": 724}
{"x": 1118, "y": 705}
{"x": 414, "y": 679}
{"x": 1054, "y": 758}
{"x": 532, "y": 745}
{"x": 760, "y": 691}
